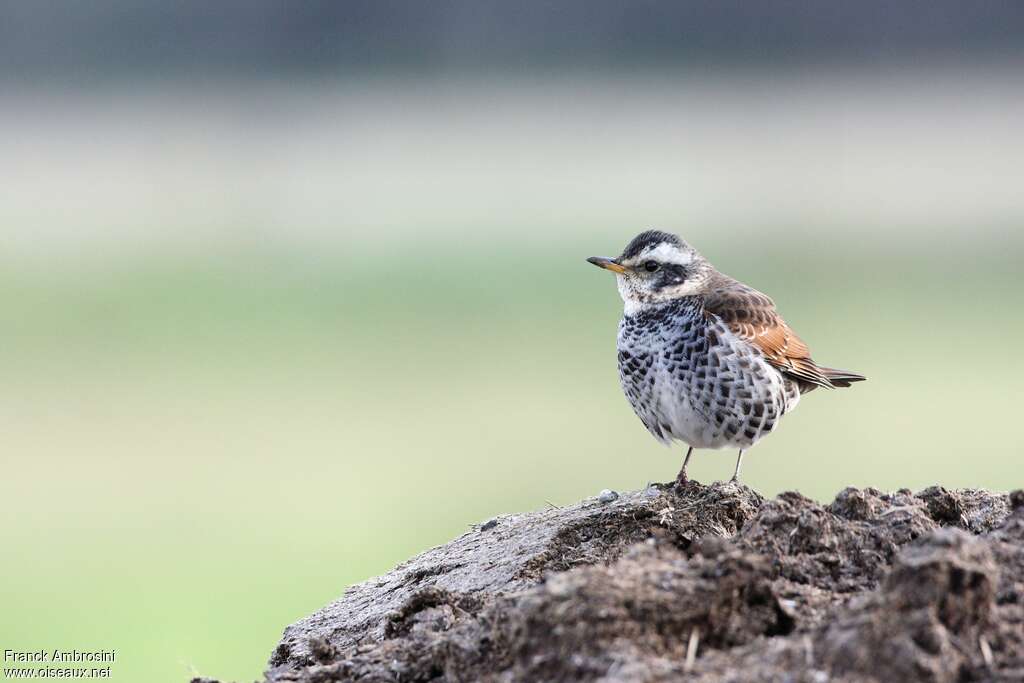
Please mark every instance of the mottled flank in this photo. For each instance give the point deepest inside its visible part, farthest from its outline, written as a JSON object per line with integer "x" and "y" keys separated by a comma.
{"x": 688, "y": 377}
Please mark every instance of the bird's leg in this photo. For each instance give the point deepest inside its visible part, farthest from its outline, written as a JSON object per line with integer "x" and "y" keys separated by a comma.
{"x": 681, "y": 477}
{"x": 736, "y": 474}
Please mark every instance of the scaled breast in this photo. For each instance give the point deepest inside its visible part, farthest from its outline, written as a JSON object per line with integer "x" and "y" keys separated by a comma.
{"x": 658, "y": 346}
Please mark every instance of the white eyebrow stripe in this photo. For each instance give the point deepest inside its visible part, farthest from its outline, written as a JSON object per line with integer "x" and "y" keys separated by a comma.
{"x": 666, "y": 253}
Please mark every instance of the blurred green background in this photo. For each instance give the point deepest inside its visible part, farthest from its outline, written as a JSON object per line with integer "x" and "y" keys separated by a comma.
{"x": 273, "y": 324}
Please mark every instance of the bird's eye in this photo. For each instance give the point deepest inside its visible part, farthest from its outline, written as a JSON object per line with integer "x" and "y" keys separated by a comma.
{"x": 651, "y": 266}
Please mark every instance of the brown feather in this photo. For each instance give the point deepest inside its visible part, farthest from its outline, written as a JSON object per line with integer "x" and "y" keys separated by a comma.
{"x": 751, "y": 316}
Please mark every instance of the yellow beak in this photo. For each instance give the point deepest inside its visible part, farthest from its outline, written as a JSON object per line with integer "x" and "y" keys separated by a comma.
{"x": 606, "y": 263}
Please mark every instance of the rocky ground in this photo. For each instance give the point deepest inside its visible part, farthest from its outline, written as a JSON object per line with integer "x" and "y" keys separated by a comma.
{"x": 707, "y": 583}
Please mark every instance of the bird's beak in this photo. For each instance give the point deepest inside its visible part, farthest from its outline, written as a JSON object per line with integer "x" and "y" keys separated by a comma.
{"x": 607, "y": 263}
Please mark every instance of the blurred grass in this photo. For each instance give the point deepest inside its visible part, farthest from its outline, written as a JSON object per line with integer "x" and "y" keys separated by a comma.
{"x": 200, "y": 451}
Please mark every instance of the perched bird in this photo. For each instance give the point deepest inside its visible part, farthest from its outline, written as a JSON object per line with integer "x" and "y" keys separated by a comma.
{"x": 705, "y": 359}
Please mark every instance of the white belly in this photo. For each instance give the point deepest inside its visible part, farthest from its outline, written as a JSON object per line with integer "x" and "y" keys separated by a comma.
{"x": 729, "y": 401}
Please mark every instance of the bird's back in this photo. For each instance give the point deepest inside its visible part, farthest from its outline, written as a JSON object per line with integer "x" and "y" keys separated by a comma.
{"x": 751, "y": 316}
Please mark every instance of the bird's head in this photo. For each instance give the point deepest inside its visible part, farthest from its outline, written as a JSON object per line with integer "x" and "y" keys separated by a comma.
{"x": 656, "y": 267}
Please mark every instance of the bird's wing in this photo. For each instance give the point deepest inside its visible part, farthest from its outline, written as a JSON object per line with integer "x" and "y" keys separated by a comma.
{"x": 752, "y": 317}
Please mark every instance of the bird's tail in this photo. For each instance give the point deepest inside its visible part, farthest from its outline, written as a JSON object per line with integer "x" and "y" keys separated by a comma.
{"x": 841, "y": 378}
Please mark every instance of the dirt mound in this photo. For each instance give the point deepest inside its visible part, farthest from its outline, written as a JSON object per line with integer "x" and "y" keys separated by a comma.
{"x": 710, "y": 583}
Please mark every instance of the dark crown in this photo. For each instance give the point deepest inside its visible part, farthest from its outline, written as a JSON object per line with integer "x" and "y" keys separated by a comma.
{"x": 649, "y": 238}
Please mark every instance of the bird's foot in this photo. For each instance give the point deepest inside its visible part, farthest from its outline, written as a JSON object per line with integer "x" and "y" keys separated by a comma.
{"x": 682, "y": 481}
{"x": 734, "y": 483}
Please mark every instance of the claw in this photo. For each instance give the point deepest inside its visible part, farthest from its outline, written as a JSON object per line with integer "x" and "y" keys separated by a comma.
{"x": 681, "y": 478}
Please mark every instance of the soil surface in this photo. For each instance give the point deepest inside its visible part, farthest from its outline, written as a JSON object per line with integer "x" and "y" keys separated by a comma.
{"x": 704, "y": 583}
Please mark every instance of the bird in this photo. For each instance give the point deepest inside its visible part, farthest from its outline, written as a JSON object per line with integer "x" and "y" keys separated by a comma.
{"x": 703, "y": 358}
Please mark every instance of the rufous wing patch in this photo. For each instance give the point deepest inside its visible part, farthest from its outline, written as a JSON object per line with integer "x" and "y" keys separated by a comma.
{"x": 751, "y": 316}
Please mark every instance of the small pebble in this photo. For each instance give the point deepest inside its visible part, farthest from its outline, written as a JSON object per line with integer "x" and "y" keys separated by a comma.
{"x": 488, "y": 525}
{"x": 607, "y": 496}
